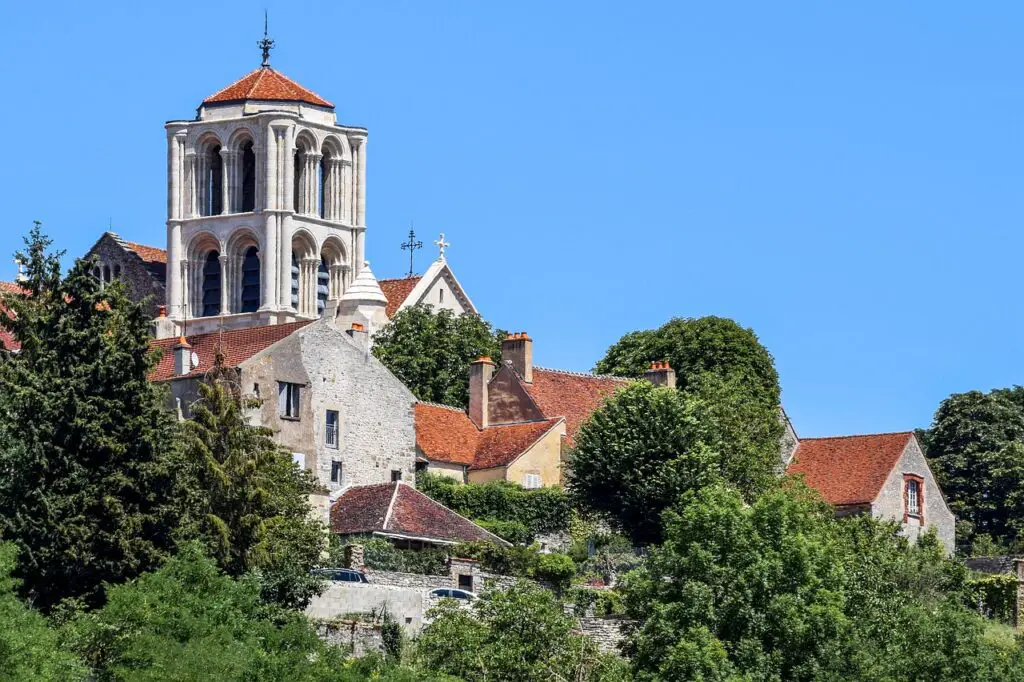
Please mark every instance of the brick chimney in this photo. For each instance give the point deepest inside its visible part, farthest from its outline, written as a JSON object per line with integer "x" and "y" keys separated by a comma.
{"x": 182, "y": 357}
{"x": 517, "y": 350}
{"x": 660, "y": 374}
{"x": 480, "y": 373}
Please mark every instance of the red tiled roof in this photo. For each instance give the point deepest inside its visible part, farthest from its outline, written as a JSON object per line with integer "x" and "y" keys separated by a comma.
{"x": 7, "y": 340}
{"x": 268, "y": 85}
{"x": 848, "y": 469}
{"x": 401, "y": 510}
{"x": 238, "y": 344}
{"x": 397, "y": 290}
{"x": 446, "y": 434}
{"x": 150, "y": 254}
{"x": 571, "y": 395}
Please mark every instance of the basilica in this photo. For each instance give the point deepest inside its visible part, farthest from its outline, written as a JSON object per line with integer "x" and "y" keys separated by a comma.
{"x": 264, "y": 266}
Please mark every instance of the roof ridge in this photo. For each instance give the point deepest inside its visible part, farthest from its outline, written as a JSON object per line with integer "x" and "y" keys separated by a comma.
{"x": 587, "y": 375}
{"x": 860, "y": 435}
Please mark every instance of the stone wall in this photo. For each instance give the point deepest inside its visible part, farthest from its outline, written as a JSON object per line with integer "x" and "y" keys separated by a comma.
{"x": 359, "y": 637}
{"x": 608, "y": 632}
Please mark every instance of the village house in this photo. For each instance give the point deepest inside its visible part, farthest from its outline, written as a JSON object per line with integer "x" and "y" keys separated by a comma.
{"x": 885, "y": 475}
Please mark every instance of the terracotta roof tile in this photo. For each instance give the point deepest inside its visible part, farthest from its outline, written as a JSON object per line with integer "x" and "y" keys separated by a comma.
{"x": 848, "y": 469}
{"x": 399, "y": 509}
{"x": 239, "y": 345}
{"x": 149, "y": 254}
{"x": 446, "y": 434}
{"x": 267, "y": 85}
{"x": 571, "y": 395}
{"x": 397, "y": 290}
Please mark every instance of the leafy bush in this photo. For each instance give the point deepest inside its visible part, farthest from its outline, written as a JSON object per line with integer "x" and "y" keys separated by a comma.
{"x": 515, "y": 532}
{"x": 519, "y": 561}
{"x": 541, "y": 510}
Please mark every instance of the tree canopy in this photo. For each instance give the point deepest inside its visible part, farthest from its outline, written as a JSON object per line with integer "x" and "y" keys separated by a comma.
{"x": 86, "y": 488}
{"x": 245, "y": 498}
{"x": 430, "y": 351}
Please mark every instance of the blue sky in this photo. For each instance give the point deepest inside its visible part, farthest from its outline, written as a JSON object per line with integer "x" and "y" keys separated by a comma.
{"x": 844, "y": 178}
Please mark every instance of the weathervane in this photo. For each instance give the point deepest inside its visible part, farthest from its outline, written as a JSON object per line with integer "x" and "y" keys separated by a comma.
{"x": 411, "y": 245}
{"x": 441, "y": 245}
{"x": 266, "y": 44}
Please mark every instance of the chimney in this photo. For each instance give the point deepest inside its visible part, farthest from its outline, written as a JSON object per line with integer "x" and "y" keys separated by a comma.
{"x": 517, "y": 350}
{"x": 660, "y": 374}
{"x": 479, "y": 376}
{"x": 182, "y": 357}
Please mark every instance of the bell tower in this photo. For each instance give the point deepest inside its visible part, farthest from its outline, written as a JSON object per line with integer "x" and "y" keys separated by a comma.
{"x": 266, "y": 206}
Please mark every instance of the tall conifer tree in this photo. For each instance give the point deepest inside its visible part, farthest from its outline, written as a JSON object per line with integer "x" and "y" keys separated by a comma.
{"x": 85, "y": 489}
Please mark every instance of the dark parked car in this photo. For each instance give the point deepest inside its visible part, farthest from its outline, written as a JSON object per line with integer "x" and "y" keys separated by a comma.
{"x": 345, "y": 575}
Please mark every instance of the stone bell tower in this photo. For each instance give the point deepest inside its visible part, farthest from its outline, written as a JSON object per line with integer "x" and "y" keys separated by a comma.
{"x": 266, "y": 206}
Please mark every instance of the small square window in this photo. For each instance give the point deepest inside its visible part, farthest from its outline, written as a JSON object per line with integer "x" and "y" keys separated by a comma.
{"x": 331, "y": 429}
{"x": 335, "y": 471}
{"x": 288, "y": 399}
{"x": 396, "y": 475}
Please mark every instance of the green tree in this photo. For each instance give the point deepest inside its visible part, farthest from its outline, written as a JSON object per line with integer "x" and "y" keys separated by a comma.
{"x": 635, "y": 456}
{"x": 29, "y": 650}
{"x": 779, "y": 590}
{"x": 976, "y": 449}
{"x": 517, "y": 635}
{"x": 85, "y": 482}
{"x": 430, "y": 351}
{"x": 245, "y": 498}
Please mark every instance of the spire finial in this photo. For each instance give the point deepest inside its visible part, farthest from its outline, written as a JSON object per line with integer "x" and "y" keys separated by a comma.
{"x": 266, "y": 44}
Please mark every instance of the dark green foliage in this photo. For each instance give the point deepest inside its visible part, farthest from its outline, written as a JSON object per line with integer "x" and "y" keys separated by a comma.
{"x": 430, "y": 351}
{"x": 778, "y": 590}
{"x": 976, "y": 448}
{"x": 553, "y": 568}
{"x": 541, "y": 510}
{"x": 246, "y": 500}
{"x": 189, "y": 621}
{"x": 29, "y": 650}
{"x": 85, "y": 481}
{"x": 518, "y": 635}
{"x": 635, "y": 456}
{"x": 695, "y": 347}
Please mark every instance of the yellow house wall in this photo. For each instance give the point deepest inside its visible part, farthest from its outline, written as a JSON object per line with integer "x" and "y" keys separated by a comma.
{"x": 544, "y": 458}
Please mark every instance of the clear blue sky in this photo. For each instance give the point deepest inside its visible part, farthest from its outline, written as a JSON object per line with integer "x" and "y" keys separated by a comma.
{"x": 844, "y": 178}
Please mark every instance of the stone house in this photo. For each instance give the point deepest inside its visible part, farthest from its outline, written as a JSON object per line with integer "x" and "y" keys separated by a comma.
{"x": 143, "y": 269}
{"x": 520, "y": 422}
{"x": 885, "y": 475}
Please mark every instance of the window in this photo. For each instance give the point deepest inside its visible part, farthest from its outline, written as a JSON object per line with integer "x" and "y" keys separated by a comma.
{"x": 288, "y": 399}
{"x": 336, "y": 474}
{"x": 396, "y": 475}
{"x": 331, "y": 430}
{"x": 531, "y": 480}
{"x": 913, "y": 497}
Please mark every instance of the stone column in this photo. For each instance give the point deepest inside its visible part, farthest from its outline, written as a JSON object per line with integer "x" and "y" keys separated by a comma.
{"x": 361, "y": 192}
{"x": 225, "y": 282}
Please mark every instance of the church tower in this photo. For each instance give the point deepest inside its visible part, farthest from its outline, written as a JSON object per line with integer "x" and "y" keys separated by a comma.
{"x": 266, "y": 206}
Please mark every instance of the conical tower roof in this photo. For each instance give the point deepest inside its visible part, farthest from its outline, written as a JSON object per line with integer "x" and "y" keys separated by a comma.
{"x": 364, "y": 288}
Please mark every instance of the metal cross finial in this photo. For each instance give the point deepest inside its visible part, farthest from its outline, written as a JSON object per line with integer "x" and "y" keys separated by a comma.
{"x": 266, "y": 44}
{"x": 411, "y": 245}
{"x": 441, "y": 244}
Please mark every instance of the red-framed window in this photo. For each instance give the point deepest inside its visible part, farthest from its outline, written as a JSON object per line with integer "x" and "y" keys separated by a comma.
{"x": 913, "y": 497}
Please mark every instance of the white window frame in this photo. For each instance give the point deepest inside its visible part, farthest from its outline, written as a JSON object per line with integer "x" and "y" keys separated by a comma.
{"x": 289, "y": 400}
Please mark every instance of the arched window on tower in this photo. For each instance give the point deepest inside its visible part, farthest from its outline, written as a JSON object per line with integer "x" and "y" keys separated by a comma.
{"x": 213, "y": 182}
{"x": 211, "y": 285}
{"x": 251, "y": 280}
{"x": 248, "y": 178}
{"x": 323, "y": 286}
